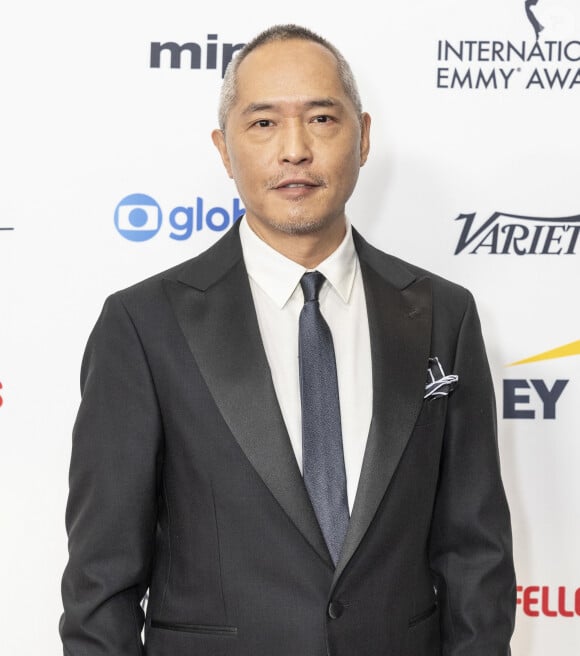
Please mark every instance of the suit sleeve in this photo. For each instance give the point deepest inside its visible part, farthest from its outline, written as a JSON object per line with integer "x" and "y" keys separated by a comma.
{"x": 111, "y": 510}
{"x": 471, "y": 546}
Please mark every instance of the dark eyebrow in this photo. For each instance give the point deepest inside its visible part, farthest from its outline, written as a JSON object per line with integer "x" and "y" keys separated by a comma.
{"x": 252, "y": 108}
{"x": 322, "y": 102}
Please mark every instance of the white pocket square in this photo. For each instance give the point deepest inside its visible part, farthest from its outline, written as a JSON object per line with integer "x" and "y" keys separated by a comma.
{"x": 438, "y": 384}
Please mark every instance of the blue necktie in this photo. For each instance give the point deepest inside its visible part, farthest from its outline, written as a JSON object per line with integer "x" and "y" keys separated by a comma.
{"x": 322, "y": 454}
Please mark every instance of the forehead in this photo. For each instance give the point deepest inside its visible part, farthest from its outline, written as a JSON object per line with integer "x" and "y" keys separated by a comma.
{"x": 288, "y": 70}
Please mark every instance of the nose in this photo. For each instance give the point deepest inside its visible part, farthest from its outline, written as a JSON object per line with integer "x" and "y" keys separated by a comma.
{"x": 295, "y": 144}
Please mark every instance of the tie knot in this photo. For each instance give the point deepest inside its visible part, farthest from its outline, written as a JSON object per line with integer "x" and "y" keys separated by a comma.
{"x": 311, "y": 284}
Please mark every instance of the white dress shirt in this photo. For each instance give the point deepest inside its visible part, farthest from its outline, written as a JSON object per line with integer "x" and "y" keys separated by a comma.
{"x": 278, "y": 298}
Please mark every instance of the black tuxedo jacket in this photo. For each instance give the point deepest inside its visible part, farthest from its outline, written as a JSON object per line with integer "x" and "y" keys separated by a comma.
{"x": 183, "y": 482}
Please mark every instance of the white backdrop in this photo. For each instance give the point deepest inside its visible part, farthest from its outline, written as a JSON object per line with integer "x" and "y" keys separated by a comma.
{"x": 86, "y": 121}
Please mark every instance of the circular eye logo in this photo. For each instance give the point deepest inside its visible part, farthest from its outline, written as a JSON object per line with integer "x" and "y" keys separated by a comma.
{"x": 138, "y": 217}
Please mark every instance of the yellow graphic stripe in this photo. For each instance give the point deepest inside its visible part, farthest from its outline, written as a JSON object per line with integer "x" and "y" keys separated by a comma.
{"x": 561, "y": 352}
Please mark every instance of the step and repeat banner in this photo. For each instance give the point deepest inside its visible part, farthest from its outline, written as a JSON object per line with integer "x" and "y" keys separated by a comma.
{"x": 108, "y": 175}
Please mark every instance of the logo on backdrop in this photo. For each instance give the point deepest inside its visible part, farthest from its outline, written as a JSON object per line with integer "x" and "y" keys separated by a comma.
{"x": 548, "y": 63}
{"x": 1, "y": 399}
{"x": 139, "y": 217}
{"x": 518, "y": 392}
{"x": 516, "y": 234}
{"x": 548, "y": 601}
{"x": 193, "y": 55}
{"x": 530, "y": 4}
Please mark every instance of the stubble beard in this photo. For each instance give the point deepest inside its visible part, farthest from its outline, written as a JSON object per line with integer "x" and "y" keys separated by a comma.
{"x": 298, "y": 221}
{"x": 299, "y": 225}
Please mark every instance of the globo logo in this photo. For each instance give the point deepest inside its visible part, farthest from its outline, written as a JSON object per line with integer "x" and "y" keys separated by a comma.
{"x": 139, "y": 217}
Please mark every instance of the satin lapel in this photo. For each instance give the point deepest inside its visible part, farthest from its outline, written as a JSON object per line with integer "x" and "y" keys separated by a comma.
{"x": 221, "y": 328}
{"x": 400, "y": 333}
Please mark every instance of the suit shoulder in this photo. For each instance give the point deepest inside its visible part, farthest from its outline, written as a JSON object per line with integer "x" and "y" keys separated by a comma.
{"x": 199, "y": 271}
{"x": 441, "y": 284}
{"x": 450, "y": 298}
{"x": 402, "y": 273}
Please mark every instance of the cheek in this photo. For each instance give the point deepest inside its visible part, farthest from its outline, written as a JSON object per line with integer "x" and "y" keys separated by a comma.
{"x": 345, "y": 165}
{"x": 344, "y": 156}
{"x": 248, "y": 164}
{"x": 249, "y": 179}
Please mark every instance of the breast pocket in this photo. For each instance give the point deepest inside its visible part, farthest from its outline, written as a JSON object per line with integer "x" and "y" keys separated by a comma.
{"x": 433, "y": 410}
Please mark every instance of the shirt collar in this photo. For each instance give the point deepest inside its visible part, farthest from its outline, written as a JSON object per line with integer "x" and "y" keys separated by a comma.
{"x": 278, "y": 276}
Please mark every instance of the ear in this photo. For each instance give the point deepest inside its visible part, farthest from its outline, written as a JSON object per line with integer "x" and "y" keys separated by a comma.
{"x": 219, "y": 140}
{"x": 365, "y": 142}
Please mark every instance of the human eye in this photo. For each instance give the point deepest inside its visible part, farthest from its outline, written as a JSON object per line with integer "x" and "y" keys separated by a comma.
{"x": 262, "y": 123}
{"x": 322, "y": 118}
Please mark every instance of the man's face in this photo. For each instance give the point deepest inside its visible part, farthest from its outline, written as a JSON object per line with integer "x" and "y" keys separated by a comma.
{"x": 293, "y": 141}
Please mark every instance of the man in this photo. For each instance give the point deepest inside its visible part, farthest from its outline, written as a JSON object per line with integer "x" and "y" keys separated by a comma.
{"x": 290, "y": 439}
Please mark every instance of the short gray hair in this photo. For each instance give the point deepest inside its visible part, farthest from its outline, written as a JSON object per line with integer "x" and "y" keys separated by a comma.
{"x": 282, "y": 33}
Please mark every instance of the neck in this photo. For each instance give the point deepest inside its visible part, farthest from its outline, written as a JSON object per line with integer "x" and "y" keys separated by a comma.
{"x": 308, "y": 249}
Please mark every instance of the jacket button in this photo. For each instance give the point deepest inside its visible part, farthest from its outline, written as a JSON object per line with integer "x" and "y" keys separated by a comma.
{"x": 335, "y": 609}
